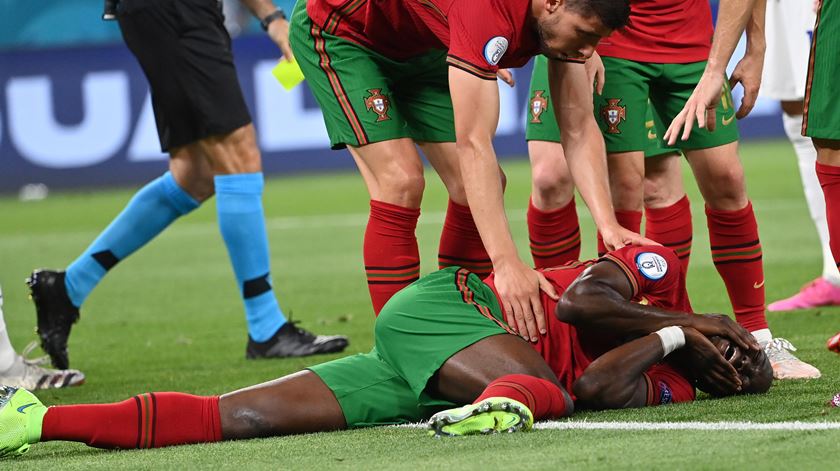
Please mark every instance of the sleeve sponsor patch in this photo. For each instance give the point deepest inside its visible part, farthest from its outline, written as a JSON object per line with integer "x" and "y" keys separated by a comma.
{"x": 651, "y": 265}
{"x": 495, "y": 49}
{"x": 665, "y": 396}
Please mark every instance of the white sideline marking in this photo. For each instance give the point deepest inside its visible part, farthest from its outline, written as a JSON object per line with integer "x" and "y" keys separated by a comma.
{"x": 586, "y": 425}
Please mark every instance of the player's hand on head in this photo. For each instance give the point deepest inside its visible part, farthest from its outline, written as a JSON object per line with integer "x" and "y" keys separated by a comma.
{"x": 724, "y": 326}
{"x": 617, "y": 237}
{"x": 748, "y": 74}
{"x": 595, "y": 73}
{"x": 278, "y": 31}
{"x": 699, "y": 107}
{"x": 519, "y": 294}
{"x": 709, "y": 363}
{"x": 506, "y": 76}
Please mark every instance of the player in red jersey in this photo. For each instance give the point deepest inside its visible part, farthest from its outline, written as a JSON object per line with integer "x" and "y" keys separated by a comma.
{"x": 393, "y": 75}
{"x": 661, "y": 59}
{"x": 621, "y": 336}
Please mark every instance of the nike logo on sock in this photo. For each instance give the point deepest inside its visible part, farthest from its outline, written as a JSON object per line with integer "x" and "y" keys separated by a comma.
{"x": 758, "y": 285}
{"x": 21, "y": 408}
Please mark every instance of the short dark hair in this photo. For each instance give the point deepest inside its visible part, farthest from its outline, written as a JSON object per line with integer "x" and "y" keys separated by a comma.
{"x": 614, "y": 14}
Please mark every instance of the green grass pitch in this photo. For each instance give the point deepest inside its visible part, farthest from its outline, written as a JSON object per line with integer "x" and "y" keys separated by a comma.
{"x": 169, "y": 318}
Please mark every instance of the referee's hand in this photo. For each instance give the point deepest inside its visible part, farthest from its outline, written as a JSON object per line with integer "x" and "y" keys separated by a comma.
{"x": 278, "y": 31}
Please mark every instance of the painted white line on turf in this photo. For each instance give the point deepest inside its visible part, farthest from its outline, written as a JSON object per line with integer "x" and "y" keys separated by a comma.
{"x": 586, "y": 425}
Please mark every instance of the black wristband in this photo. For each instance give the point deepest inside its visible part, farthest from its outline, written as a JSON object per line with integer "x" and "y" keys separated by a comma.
{"x": 276, "y": 15}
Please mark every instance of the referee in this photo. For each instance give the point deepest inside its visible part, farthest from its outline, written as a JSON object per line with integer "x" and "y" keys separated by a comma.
{"x": 204, "y": 125}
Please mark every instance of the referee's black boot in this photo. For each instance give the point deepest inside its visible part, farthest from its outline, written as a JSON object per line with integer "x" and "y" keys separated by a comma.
{"x": 56, "y": 313}
{"x": 292, "y": 341}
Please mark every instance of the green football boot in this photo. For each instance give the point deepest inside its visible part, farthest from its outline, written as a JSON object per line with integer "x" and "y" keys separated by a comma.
{"x": 21, "y": 415}
{"x": 492, "y": 415}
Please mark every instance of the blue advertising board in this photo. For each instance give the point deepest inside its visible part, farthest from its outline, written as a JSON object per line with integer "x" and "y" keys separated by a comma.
{"x": 75, "y": 117}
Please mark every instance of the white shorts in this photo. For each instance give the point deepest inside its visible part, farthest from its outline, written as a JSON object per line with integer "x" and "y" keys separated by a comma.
{"x": 788, "y": 31}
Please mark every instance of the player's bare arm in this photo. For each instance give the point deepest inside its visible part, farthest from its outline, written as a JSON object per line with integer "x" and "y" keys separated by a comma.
{"x": 748, "y": 70}
{"x": 476, "y": 107}
{"x": 275, "y": 24}
{"x": 585, "y": 151}
{"x": 616, "y": 379}
{"x": 600, "y": 299}
{"x": 733, "y": 16}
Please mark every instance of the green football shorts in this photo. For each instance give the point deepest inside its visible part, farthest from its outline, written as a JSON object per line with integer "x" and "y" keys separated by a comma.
{"x": 366, "y": 97}
{"x": 418, "y": 329}
{"x": 821, "y": 118}
{"x": 622, "y": 109}
{"x": 542, "y": 126}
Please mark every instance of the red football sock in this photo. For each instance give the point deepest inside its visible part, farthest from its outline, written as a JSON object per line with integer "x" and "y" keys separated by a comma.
{"x": 671, "y": 227}
{"x": 829, "y": 176}
{"x": 554, "y": 235}
{"x": 544, "y": 398}
{"x": 146, "y": 421}
{"x": 736, "y": 253}
{"x": 460, "y": 243}
{"x": 392, "y": 260}
{"x": 631, "y": 220}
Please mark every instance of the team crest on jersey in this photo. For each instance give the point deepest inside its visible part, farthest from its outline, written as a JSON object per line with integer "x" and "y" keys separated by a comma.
{"x": 613, "y": 115}
{"x": 378, "y": 103}
{"x": 651, "y": 265}
{"x": 495, "y": 49}
{"x": 539, "y": 103}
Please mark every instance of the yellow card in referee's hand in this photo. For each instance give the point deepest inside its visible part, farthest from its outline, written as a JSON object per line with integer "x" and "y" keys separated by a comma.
{"x": 288, "y": 74}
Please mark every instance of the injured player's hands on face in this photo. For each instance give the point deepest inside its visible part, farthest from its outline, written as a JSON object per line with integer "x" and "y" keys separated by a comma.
{"x": 753, "y": 367}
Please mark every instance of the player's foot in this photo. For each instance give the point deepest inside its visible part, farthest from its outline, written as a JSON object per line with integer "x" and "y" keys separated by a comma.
{"x": 815, "y": 294}
{"x": 28, "y": 373}
{"x": 21, "y": 416}
{"x": 56, "y": 314}
{"x": 492, "y": 415}
{"x": 292, "y": 341}
{"x": 785, "y": 364}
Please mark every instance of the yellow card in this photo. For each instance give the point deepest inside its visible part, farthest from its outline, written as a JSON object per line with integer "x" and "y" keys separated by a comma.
{"x": 288, "y": 74}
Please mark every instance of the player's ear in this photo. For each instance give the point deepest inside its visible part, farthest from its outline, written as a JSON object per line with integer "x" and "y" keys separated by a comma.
{"x": 553, "y": 5}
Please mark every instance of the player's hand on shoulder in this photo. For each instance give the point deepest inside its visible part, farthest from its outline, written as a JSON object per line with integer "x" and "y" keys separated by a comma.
{"x": 700, "y": 107}
{"x": 278, "y": 31}
{"x": 724, "y": 326}
{"x": 519, "y": 294}
{"x": 617, "y": 237}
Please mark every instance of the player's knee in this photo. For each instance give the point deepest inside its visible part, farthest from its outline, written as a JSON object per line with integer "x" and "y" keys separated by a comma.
{"x": 627, "y": 190}
{"x": 551, "y": 187}
{"x": 726, "y": 189}
{"x": 403, "y": 187}
{"x": 659, "y": 193}
{"x": 202, "y": 188}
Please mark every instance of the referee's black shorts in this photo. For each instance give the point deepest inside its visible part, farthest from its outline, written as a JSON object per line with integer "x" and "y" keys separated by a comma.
{"x": 184, "y": 50}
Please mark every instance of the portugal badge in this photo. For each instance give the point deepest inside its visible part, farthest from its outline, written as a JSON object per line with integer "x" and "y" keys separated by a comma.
{"x": 539, "y": 103}
{"x": 613, "y": 115}
{"x": 378, "y": 103}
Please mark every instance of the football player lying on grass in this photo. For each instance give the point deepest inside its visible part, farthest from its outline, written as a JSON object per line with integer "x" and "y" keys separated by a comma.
{"x": 620, "y": 336}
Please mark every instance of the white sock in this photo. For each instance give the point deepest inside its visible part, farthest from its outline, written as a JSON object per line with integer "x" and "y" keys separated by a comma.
{"x": 806, "y": 155}
{"x": 763, "y": 336}
{"x": 7, "y": 352}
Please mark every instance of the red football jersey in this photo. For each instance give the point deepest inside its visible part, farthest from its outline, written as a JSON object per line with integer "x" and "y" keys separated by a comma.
{"x": 481, "y": 36}
{"x": 655, "y": 274}
{"x": 663, "y": 31}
